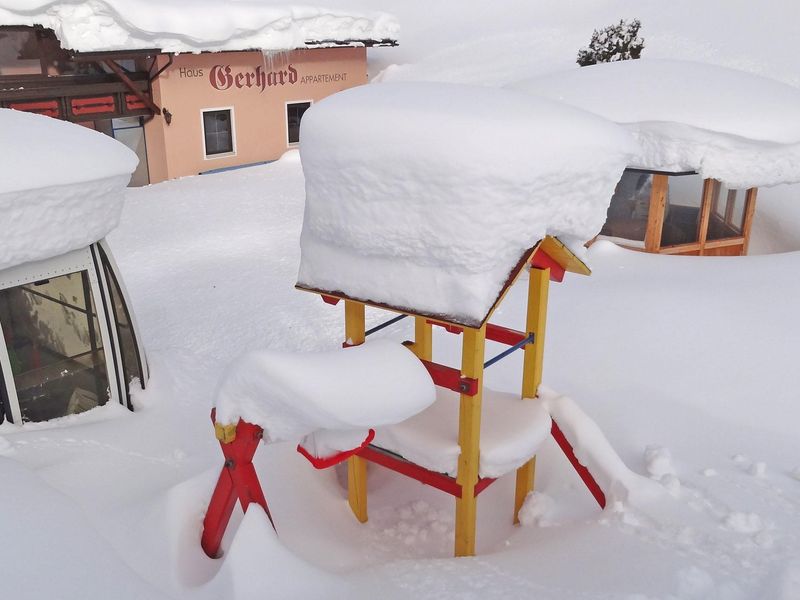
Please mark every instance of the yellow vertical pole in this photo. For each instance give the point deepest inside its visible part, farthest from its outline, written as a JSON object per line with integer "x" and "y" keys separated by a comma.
{"x": 354, "y": 332}
{"x": 469, "y": 434}
{"x": 538, "y": 287}
{"x": 423, "y": 338}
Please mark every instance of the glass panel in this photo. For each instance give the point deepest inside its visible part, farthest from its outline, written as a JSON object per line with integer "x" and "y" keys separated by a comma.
{"x": 627, "y": 214}
{"x": 55, "y": 346}
{"x": 217, "y": 128}
{"x": 727, "y": 216}
{"x": 682, "y": 215}
{"x": 294, "y": 114}
{"x": 19, "y": 53}
{"x": 131, "y": 363}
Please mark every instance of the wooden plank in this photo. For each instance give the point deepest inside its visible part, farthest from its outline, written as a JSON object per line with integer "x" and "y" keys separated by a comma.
{"x": 749, "y": 213}
{"x": 355, "y": 334}
{"x": 732, "y": 241}
{"x": 564, "y": 256}
{"x": 469, "y": 433}
{"x": 655, "y": 216}
{"x": 680, "y": 249}
{"x": 710, "y": 187}
{"x": 132, "y": 86}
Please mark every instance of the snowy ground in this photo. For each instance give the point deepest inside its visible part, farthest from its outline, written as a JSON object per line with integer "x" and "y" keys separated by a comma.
{"x": 687, "y": 364}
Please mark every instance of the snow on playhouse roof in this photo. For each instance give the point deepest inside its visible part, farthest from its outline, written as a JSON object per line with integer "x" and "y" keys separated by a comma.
{"x": 61, "y": 186}
{"x": 425, "y": 196}
{"x": 740, "y": 128}
{"x": 196, "y": 25}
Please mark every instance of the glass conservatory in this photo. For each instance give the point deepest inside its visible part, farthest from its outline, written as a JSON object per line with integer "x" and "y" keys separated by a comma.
{"x": 679, "y": 213}
{"x": 69, "y": 338}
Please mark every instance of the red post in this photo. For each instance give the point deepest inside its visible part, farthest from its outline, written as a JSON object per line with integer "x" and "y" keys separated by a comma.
{"x": 237, "y": 480}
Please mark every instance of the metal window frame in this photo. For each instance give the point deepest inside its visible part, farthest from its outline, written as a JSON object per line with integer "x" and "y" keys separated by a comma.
{"x": 290, "y": 144}
{"x": 71, "y": 262}
{"x": 206, "y": 155}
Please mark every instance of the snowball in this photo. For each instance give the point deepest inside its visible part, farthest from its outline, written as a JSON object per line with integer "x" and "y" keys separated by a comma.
{"x": 737, "y": 127}
{"x": 658, "y": 461}
{"x": 201, "y": 25}
{"x": 53, "y": 198}
{"x": 425, "y": 196}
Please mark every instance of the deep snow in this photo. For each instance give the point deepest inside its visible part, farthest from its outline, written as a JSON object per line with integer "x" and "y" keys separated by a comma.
{"x": 686, "y": 364}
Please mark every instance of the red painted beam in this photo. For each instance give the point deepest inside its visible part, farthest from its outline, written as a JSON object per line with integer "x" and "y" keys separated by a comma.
{"x": 583, "y": 472}
{"x": 504, "y": 335}
{"x": 542, "y": 260}
{"x": 450, "y": 378}
{"x": 440, "y": 481}
{"x": 332, "y": 300}
{"x": 483, "y": 484}
{"x": 49, "y": 108}
{"x": 446, "y": 326}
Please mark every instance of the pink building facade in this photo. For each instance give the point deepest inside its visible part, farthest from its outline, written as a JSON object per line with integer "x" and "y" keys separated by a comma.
{"x": 222, "y": 110}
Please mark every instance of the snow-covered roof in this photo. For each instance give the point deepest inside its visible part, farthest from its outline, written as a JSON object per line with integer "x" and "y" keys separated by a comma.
{"x": 730, "y": 125}
{"x": 61, "y": 186}
{"x": 425, "y": 196}
{"x": 196, "y": 25}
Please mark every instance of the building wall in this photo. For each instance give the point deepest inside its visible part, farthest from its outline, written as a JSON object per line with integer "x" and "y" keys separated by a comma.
{"x": 256, "y": 87}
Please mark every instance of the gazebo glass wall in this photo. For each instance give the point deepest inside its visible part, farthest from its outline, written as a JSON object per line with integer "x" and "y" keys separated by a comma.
{"x": 68, "y": 339}
{"x": 679, "y": 213}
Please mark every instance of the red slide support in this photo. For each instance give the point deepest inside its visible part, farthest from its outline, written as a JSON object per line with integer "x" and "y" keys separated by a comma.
{"x": 583, "y": 472}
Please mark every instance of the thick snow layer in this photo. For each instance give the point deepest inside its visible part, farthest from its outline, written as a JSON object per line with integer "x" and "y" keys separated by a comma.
{"x": 53, "y": 198}
{"x": 730, "y": 125}
{"x": 512, "y": 430}
{"x": 194, "y": 25}
{"x": 425, "y": 196}
{"x": 293, "y": 395}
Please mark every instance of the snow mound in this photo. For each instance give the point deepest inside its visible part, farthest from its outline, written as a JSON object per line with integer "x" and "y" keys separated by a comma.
{"x": 334, "y": 396}
{"x": 195, "y": 25}
{"x": 512, "y": 430}
{"x": 54, "y": 199}
{"x": 425, "y": 196}
{"x": 737, "y": 127}
{"x": 594, "y": 451}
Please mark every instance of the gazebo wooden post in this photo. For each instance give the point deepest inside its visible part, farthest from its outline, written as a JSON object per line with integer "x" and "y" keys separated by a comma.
{"x": 655, "y": 216}
{"x": 355, "y": 334}
{"x": 536, "y": 321}
{"x": 747, "y": 221}
{"x": 469, "y": 434}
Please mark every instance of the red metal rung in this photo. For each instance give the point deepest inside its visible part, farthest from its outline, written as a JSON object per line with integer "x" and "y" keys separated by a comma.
{"x": 447, "y": 327}
{"x": 329, "y": 461}
{"x": 542, "y": 260}
{"x": 450, "y": 378}
{"x": 504, "y": 335}
{"x": 583, "y": 472}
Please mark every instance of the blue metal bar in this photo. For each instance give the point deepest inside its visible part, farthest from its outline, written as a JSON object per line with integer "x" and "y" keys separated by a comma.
{"x": 504, "y": 353}
{"x": 385, "y": 324}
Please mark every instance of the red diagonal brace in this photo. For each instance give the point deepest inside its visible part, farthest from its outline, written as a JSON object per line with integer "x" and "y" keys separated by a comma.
{"x": 237, "y": 480}
{"x": 542, "y": 260}
{"x": 583, "y": 472}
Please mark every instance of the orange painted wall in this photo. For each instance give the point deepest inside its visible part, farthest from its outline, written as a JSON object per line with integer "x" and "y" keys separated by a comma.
{"x": 186, "y": 88}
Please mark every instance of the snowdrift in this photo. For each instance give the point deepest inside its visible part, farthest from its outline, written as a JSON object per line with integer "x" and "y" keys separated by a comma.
{"x": 195, "y": 25}
{"x": 52, "y": 198}
{"x": 737, "y": 127}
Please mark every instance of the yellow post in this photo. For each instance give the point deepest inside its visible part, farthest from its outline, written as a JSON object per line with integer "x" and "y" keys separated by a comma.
{"x": 469, "y": 434}
{"x": 354, "y": 332}
{"x": 423, "y": 338}
{"x": 538, "y": 286}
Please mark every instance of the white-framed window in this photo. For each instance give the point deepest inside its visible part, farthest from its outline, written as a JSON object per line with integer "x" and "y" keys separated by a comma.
{"x": 219, "y": 132}
{"x": 294, "y": 114}
{"x": 67, "y": 337}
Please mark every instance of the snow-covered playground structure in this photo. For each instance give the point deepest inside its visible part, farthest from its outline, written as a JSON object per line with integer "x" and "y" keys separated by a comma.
{"x": 69, "y": 336}
{"x": 708, "y": 137}
{"x": 431, "y": 213}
